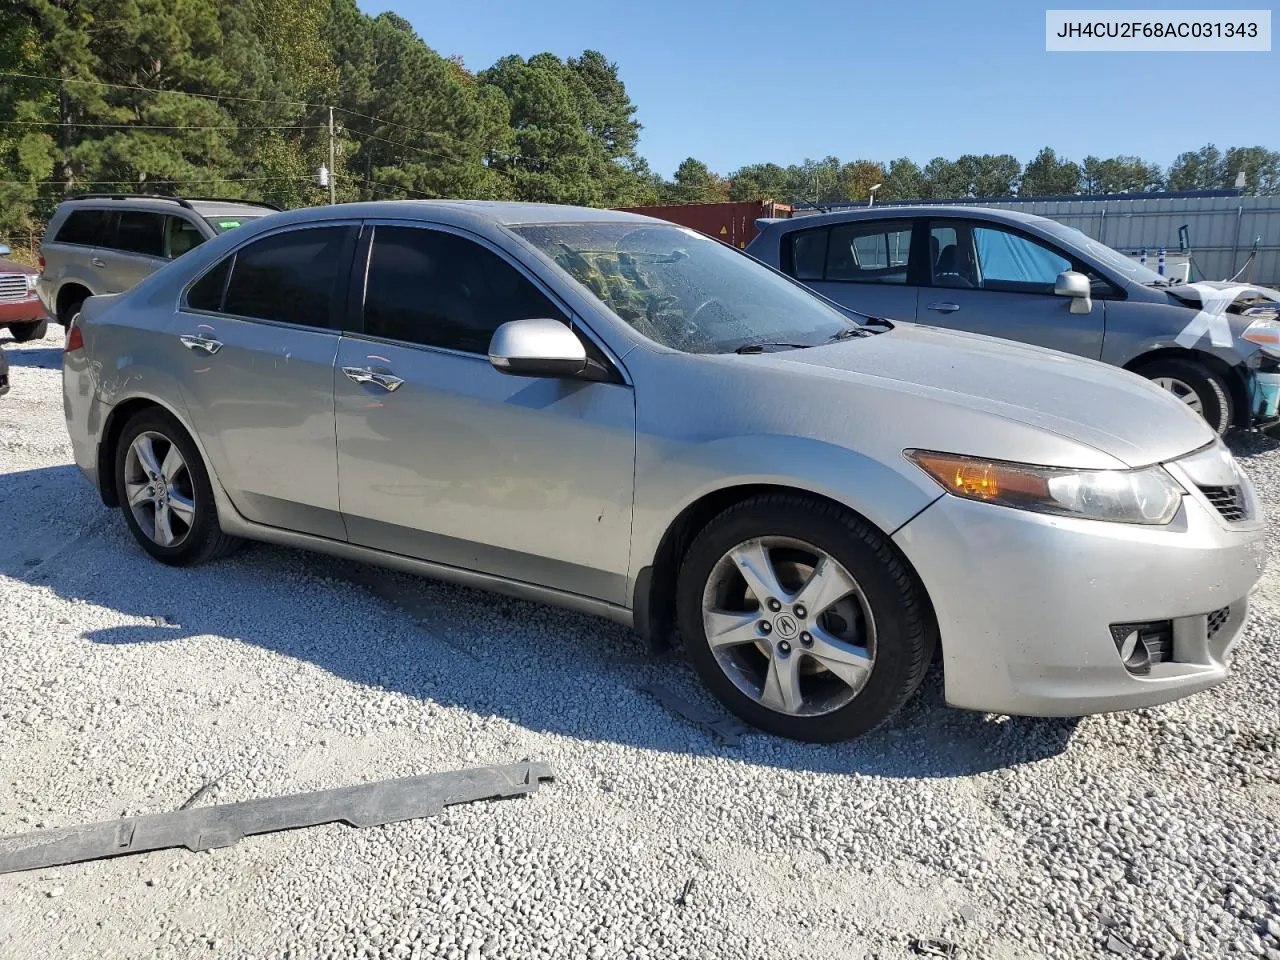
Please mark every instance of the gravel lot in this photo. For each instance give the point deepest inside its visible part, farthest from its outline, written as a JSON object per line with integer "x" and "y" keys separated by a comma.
{"x": 127, "y": 685}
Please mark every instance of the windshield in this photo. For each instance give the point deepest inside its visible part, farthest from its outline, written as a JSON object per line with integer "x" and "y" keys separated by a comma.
{"x": 1114, "y": 259}
{"x": 223, "y": 224}
{"x": 684, "y": 290}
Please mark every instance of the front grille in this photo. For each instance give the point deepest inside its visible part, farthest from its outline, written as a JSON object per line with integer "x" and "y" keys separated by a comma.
{"x": 1228, "y": 501}
{"x": 1218, "y": 619}
{"x": 13, "y": 286}
{"x": 1144, "y": 643}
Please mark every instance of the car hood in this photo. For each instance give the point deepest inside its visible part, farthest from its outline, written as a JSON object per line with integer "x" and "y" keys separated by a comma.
{"x": 1090, "y": 403}
{"x": 9, "y": 266}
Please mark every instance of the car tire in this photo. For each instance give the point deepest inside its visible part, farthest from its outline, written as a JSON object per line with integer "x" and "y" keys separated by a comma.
{"x": 888, "y": 608}
{"x": 1197, "y": 386}
{"x": 23, "y": 332}
{"x": 194, "y": 534}
{"x": 68, "y": 311}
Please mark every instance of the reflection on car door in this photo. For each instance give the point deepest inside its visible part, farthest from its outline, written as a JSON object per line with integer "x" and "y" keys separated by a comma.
{"x": 254, "y": 349}
{"x": 861, "y": 264}
{"x": 986, "y": 278}
{"x": 443, "y": 458}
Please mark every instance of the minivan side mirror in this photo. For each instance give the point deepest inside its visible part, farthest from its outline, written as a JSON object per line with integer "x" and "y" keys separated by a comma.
{"x": 5, "y": 250}
{"x": 537, "y": 348}
{"x": 1075, "y": 285}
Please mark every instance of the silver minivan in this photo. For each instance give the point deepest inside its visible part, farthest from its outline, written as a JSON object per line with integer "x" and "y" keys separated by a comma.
{"x": 1215, "y": 346}
{"x": 105, "y": 243}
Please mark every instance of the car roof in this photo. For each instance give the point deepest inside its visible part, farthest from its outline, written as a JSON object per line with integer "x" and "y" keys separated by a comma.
{"x": 905, "y": 212}
{"x": 467, "y": 212}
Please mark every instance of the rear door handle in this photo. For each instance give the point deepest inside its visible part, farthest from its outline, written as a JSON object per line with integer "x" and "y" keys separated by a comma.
{"x": 97, "y": 261}
{"x": 944, "y": 306}
{"x": 379, "y": 375}
{"x": 207, "y": 344}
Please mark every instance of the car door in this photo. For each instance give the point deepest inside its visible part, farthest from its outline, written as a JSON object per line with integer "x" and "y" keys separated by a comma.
{"x": 986, "y": 277}
{"x": 443, "y": 458}
{"x": 72, "y": 252}
{"x": 254, "y": 345}
{"x": 134, "y": 250}
{"x": 861, "y": 264}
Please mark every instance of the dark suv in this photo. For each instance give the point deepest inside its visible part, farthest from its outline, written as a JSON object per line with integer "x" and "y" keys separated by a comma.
{"x": 105, "y": 243}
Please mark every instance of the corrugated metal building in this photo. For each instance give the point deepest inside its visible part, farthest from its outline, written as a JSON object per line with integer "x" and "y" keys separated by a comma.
{"x": 1222, "y": 226}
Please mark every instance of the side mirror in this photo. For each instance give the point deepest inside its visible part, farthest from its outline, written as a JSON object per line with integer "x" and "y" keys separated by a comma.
{"x": 1076, "y": 286}
{"x": 5, "y": 250}
{"x": 537, "y": 348}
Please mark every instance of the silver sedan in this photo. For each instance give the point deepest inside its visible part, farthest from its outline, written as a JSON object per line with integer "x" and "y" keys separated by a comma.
{"x": 622, "y": 416}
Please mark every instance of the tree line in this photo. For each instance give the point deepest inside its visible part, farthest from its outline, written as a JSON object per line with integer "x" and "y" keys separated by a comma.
{"x": 235, "y": 98}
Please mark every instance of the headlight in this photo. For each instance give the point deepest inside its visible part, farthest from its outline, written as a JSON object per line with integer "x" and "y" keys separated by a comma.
{"x": 1265, "y": 333}
{"x": 31, "y": 282}
{"x": 1148, "y": 495}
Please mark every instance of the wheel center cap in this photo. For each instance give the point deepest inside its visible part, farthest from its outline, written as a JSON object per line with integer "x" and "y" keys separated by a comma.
{"x": 786, "y": 626}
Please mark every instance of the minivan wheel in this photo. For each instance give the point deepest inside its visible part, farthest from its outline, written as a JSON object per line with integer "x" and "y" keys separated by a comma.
{"x": 803, "y": 619}
{"x": 22, "y": 332}
{"x": 1202, "y": 390}
{"x": 165, "y": 494}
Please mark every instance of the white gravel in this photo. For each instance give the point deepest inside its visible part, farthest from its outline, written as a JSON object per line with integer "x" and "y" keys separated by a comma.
{"x": 125, "y": 685}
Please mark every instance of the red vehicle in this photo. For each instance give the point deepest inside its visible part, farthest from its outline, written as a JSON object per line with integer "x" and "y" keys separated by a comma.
{"x": 20, "y": 307}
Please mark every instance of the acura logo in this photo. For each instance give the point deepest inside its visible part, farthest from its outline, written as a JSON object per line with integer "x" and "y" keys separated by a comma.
{"x": 786, "y": 626}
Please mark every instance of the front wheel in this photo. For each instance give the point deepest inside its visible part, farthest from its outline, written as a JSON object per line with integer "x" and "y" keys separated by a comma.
{"x": 803, "y": 619}
{"x": 165, "y": 494}
{"x": 1202, "y": 390}
{"x": 22, "y": 332}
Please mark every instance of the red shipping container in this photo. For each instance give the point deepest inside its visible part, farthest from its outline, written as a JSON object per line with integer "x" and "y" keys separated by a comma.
{"x": 733, "y": 222}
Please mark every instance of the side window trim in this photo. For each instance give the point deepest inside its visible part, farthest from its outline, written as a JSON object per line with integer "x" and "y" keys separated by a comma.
{"x": 337, "y": 309}
{"x": 360, "y": 281}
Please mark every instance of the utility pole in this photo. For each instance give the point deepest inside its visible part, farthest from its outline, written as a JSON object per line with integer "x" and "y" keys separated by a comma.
{"x": 333, "y": 186}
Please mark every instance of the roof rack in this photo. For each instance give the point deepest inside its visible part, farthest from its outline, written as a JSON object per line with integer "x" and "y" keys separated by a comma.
{"x": 181, "y": 201}
{"x": 246, "y": 203}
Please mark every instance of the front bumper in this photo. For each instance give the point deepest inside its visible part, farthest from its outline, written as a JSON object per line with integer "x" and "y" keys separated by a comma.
{"x": 1026, "y": 602}
{"x": 30, "y": 310}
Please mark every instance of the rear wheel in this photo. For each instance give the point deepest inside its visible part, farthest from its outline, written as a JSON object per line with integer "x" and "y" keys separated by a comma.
{"x": 1202, "y": 390}
{"x": 71, "y": 302}
{"x": 803, "y": 619}
{"x": 165, "y": 494}
{"x": 22, "y": 332}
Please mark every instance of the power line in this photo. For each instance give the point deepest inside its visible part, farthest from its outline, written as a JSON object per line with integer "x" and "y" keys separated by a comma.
{"x": 387, "y": 186}
{"x": 134, "y": 183}
{"x": 402, "y": 126}
{"x": 155, "y": 126}
{"x": 399, "y": 143}
{"x": 185, "y": 93}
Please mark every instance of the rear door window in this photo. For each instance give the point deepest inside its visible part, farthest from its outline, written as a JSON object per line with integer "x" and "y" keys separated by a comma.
{"x": 292, "y": 277}
{"x": 90, "y": 228}
{"x": 138, "y": 231}
{"x": 869, "y": 252}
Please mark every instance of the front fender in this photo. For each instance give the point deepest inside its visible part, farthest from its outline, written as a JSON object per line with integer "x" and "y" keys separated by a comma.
{"x": 673, "y": 476}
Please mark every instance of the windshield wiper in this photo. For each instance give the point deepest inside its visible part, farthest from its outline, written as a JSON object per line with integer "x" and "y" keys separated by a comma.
{"x": 759, "y": 346}
{"x": 1159, "y": 283}
{"x": 848, "y": 334}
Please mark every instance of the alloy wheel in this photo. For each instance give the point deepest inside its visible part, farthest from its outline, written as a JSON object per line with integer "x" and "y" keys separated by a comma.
{"x": 1182, "y": 391}
{"x": 159, "y": 489}
{"x": 789, "y": 626}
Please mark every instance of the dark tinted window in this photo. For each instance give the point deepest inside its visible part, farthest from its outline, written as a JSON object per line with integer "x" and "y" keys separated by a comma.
{"x": 438, "y": 289}
{"x": 206, "y": 293}
{"x": 874, "y": 252}
{"x": 89, "y": 227}
{"x": 140, "y": 232}
{"x": 808, "y": 253}
{"x": 292, "y": 277}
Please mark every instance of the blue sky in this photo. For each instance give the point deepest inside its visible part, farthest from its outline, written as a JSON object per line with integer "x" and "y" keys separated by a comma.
{"x": 736, "y": 83}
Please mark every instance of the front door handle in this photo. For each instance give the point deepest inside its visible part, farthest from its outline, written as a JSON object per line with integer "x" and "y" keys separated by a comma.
{"x": 944, "y": 306}
{"x": 207, "y": 344}
{"x": 379, "y": 375}
{"x": 97, "y": 261}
